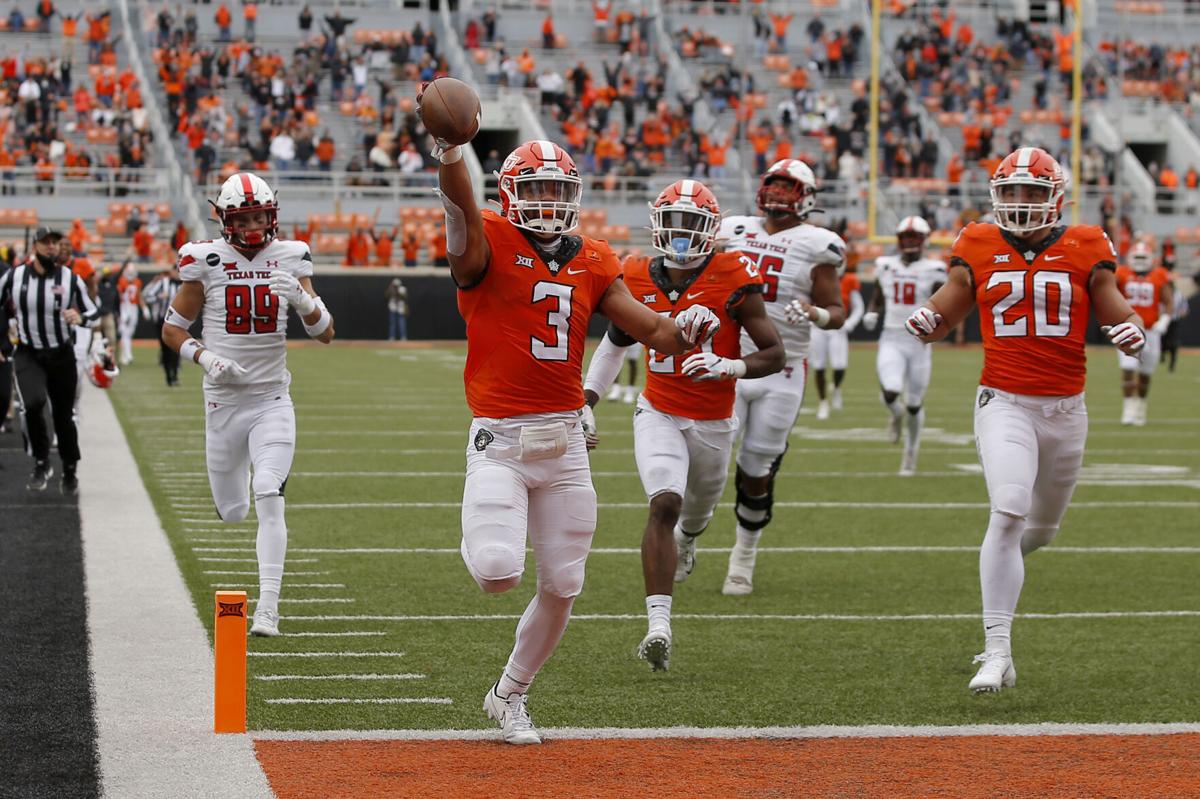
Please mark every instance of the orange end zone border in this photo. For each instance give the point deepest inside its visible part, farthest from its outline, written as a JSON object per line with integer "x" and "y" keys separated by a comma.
{"x": 1128, "y": 766}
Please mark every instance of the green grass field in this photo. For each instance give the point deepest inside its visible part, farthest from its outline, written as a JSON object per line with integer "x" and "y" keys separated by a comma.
{"x": 895, "y": 628}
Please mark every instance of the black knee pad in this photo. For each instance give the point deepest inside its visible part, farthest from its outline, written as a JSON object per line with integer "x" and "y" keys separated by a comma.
{"x": 748, "y": 502}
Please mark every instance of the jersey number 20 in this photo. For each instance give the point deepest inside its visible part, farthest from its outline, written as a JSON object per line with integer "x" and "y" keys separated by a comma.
{"x": 1049, "y": 295}
{"x": 250, "y": 308}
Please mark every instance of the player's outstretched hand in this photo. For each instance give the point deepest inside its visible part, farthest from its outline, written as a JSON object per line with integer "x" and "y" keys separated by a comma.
{"x": 922, "y": 322}
{"x": 698, "y": 324}
{"x": 870, "y": 320}
{"x": 710, "y": 366}
{"x": 286, "y": 286}
{"x": 1127, "y": 336}
{"x": 224, "y": 371}
{"x": 591, "y": 434}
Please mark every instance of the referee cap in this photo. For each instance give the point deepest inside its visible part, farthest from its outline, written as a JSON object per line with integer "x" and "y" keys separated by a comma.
{"x": 46, "y": 232}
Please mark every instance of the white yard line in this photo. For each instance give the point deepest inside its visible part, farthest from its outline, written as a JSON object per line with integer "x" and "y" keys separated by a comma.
{"x": 340, "y": 634}
{"x": 154, "y": 705}
{"x": 287, "y": 600}
{"x": 809, "y": 505}
{"x": 823, "y": 731}
{"x": 780, "y": 550}
{"x": 325, "y": 654}
{"x": 740, "y": 617}
{"x": 350, "y": 677}
{"x": 391, "y": 700}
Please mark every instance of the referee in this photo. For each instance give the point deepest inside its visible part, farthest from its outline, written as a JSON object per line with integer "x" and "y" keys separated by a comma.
{"x": 48, "y": 299}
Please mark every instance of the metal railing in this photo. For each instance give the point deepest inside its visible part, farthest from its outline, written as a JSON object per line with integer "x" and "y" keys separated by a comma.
{"x": 93, "y": 181}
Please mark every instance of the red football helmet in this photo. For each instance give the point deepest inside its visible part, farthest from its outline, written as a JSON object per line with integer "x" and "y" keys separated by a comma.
{"x": 910, "y": 236}
{"x": 788, "y": 188}
{"x": 684, "y": 221}
{"x": 1027, "y": 191}
{"x": 1141, "y": 258}
{"x": 101, "y": 369}
{"x": 540, "y": 188}
{"x": 247, "y": 193}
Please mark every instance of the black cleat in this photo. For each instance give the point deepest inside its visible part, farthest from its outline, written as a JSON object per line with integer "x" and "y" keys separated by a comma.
{"x": 42, "y": 472}
{"x": 70, "y": 483}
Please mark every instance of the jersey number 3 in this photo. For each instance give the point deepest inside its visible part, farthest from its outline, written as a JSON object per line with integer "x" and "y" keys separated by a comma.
{"x": 1050, "y": 293}
{"x": 250, "y": 309}
{"x": 558, "y": 317}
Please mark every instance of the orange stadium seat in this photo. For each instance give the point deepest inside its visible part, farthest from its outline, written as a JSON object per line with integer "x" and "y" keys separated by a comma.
{"x": 1183, "y": 235}
{"x": 331, "y": 243}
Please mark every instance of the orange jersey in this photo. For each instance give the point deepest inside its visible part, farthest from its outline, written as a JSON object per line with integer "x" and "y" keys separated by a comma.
{"x": 1033, "y": 305}
{"x": 720, "y": 285}
{"x": 1144, "y": 292}
{"x": 849, "y": 284}
{"x": 527, "y": 323}
{"x": 130, "y": 290}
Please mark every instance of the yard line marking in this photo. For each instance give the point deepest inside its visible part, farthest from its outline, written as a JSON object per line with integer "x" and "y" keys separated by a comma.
{"x": 813, "y": 550}
{"x": 312, "y": 600}
{"x": 252, "y": 560}
{"x": 810, "y": 505}
{"x": 391, "y": 700}
{"x": 299, "y": 677}
{"x": 325, "y": 654}
{"x": 231, "y": 584}
{"x": 816, "y": 731}
{"x": 1115, "y": 614}
{"x": 255, "y": 574}
{"x": 628, "y": 473}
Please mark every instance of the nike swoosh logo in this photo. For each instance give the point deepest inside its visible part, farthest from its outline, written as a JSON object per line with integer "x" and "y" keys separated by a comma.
{"x": 576, "y": 271}
{"x": 694, "y": 296}
{"x": 1054, "y": 257}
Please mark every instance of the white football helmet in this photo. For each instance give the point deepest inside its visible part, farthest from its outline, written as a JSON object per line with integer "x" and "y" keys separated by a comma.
{"x": 1141, "y": 258}
{"x": 910, "y": 236}
{"x": 101, "y": 369}
{"x": 247, "y": 193}
{"x": 788, "y": 188}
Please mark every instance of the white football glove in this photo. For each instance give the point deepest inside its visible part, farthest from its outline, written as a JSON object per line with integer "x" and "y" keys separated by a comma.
{"x": 1160, "y": 327}
{"x": 922, "y": 322}
{"x": 1127, "y": 336}
{"x": 287, "y": 286}
{"x": 795, "y": 314}
{"x": 221, "y": 371}
{"x": 591, "y": 434}
{"x": 710, "y": 366}
{"x": 698, "y": 324}
{"x": 870, "y": 320}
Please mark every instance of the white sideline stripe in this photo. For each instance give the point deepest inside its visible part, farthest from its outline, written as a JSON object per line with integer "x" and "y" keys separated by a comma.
{"x": 822, "y": 731}
{"x": 868, "y": 448}
{"x": 340, "y": 634}
{"x": 311, "y": 600}
{"x": 632, "y": 473}
{"x": 255, "y": 574}
{"x": 289, "y": 585}
{"x": 811, "y": 505}
{"x": 1112, "y": 614}
{"x": 391, "y": 700}
{"x": 154, "y": 739}
{"x": 300, "y": 677}
{"x": 325, "y": 654}
{"x": 253, "y": 560}
{"x": 781, "y": 550}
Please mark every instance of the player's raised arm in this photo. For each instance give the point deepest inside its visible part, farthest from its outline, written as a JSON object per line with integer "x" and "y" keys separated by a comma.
{"x": 670, "y": 336}
{"x": 449, "y": 109}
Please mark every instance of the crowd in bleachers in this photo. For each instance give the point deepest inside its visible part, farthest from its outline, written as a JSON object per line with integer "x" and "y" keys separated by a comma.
{"x": 1149, "y": 69}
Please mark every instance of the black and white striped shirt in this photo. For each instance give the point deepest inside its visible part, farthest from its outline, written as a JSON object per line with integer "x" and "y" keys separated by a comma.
{"x": 39, "y": 301}
{"x": 159, "y": 294}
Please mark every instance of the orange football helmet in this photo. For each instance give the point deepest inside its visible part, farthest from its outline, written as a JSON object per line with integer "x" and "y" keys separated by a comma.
{"x": 684, "y": 221}
{"x": 1028, "y": 191}
{"x": 540, "y": 188}
{"x": 788, "y": 188}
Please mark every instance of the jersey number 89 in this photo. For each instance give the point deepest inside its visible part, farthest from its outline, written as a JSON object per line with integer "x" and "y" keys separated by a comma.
{"x": 250, "y": 309}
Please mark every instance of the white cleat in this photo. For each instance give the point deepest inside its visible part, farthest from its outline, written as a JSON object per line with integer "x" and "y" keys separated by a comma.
{"x": 631, "y": 393}
{"x": 738, "y": 583}
{"x": 836, "y": 399}
{"x": 822, "y": 410}
{"x": 655, "y": 649}
{"x": 996, "y": 672}
{"x": 614, "y": 393}
{"x": 512, "y": 715}
{"x": 685, "y": 555}
{"x": 908, "y": 465}
{"x": 266, "y": 623}
{"x": 1139, "y": 413}
{"x": 1128, "y": 411}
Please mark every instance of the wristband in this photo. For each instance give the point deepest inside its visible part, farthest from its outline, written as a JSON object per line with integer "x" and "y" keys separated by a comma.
{"x": 189, "y": 348}
{"x": 449, "y": 156}
{"x": 822, "y": 320}
{"x": 323, "y": 322}
{"x": 739, "y": 367}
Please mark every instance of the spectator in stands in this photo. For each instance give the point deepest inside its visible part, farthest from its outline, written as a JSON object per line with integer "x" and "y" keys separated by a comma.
{"x": 337, "y": 25}
{"x": 250, "y": 16}
{"x": 1168, "y": 182}
{"x": 411, "y": 245}
{"x": 143, "y": 242}
{"x": 325, "y": 152}
{"x": 397, "y": 299}
{"x": 358, "y": 248}
{"x": 410, "y": 161}
{"x": 224, "y": 20}
{"x": 305, "y": 19}
{"x": 383, "y": 245}
{"x": 1191, "y": 182}
{"x": 489, "y": 24}
{"x": 548, "y": 31}
{"x": 180, "y": 237}
{"x": 283, "y": 150}
{"x": 437, "y": 247}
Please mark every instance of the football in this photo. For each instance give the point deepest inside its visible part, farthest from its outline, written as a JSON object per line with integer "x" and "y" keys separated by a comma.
{"x": 449, "y": 110}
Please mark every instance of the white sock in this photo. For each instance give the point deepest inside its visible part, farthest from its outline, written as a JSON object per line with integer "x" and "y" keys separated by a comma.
{"x": 538, "y": 632}
{"x": 658, "y": 611}
{"x": 916, "y": 421}
{"x": 1001, "y": 574}
{"x": 271, "y": 546}
{"x": 747, "y": 540}
{"x": 745, "y": 551}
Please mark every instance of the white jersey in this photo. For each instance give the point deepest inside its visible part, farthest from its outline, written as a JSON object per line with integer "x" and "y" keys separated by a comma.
{"x": 785, "y": 260}
{"x": 242, "y": 319}
{"x": 906, "y": 287}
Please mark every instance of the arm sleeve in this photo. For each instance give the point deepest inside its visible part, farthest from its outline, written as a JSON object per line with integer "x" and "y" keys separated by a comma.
{"x": 857, "y": 309}
{"x": 606, "y": 363}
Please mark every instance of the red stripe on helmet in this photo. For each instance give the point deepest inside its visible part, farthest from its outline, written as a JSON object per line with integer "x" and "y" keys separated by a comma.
{"x": 247, "y": 188}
